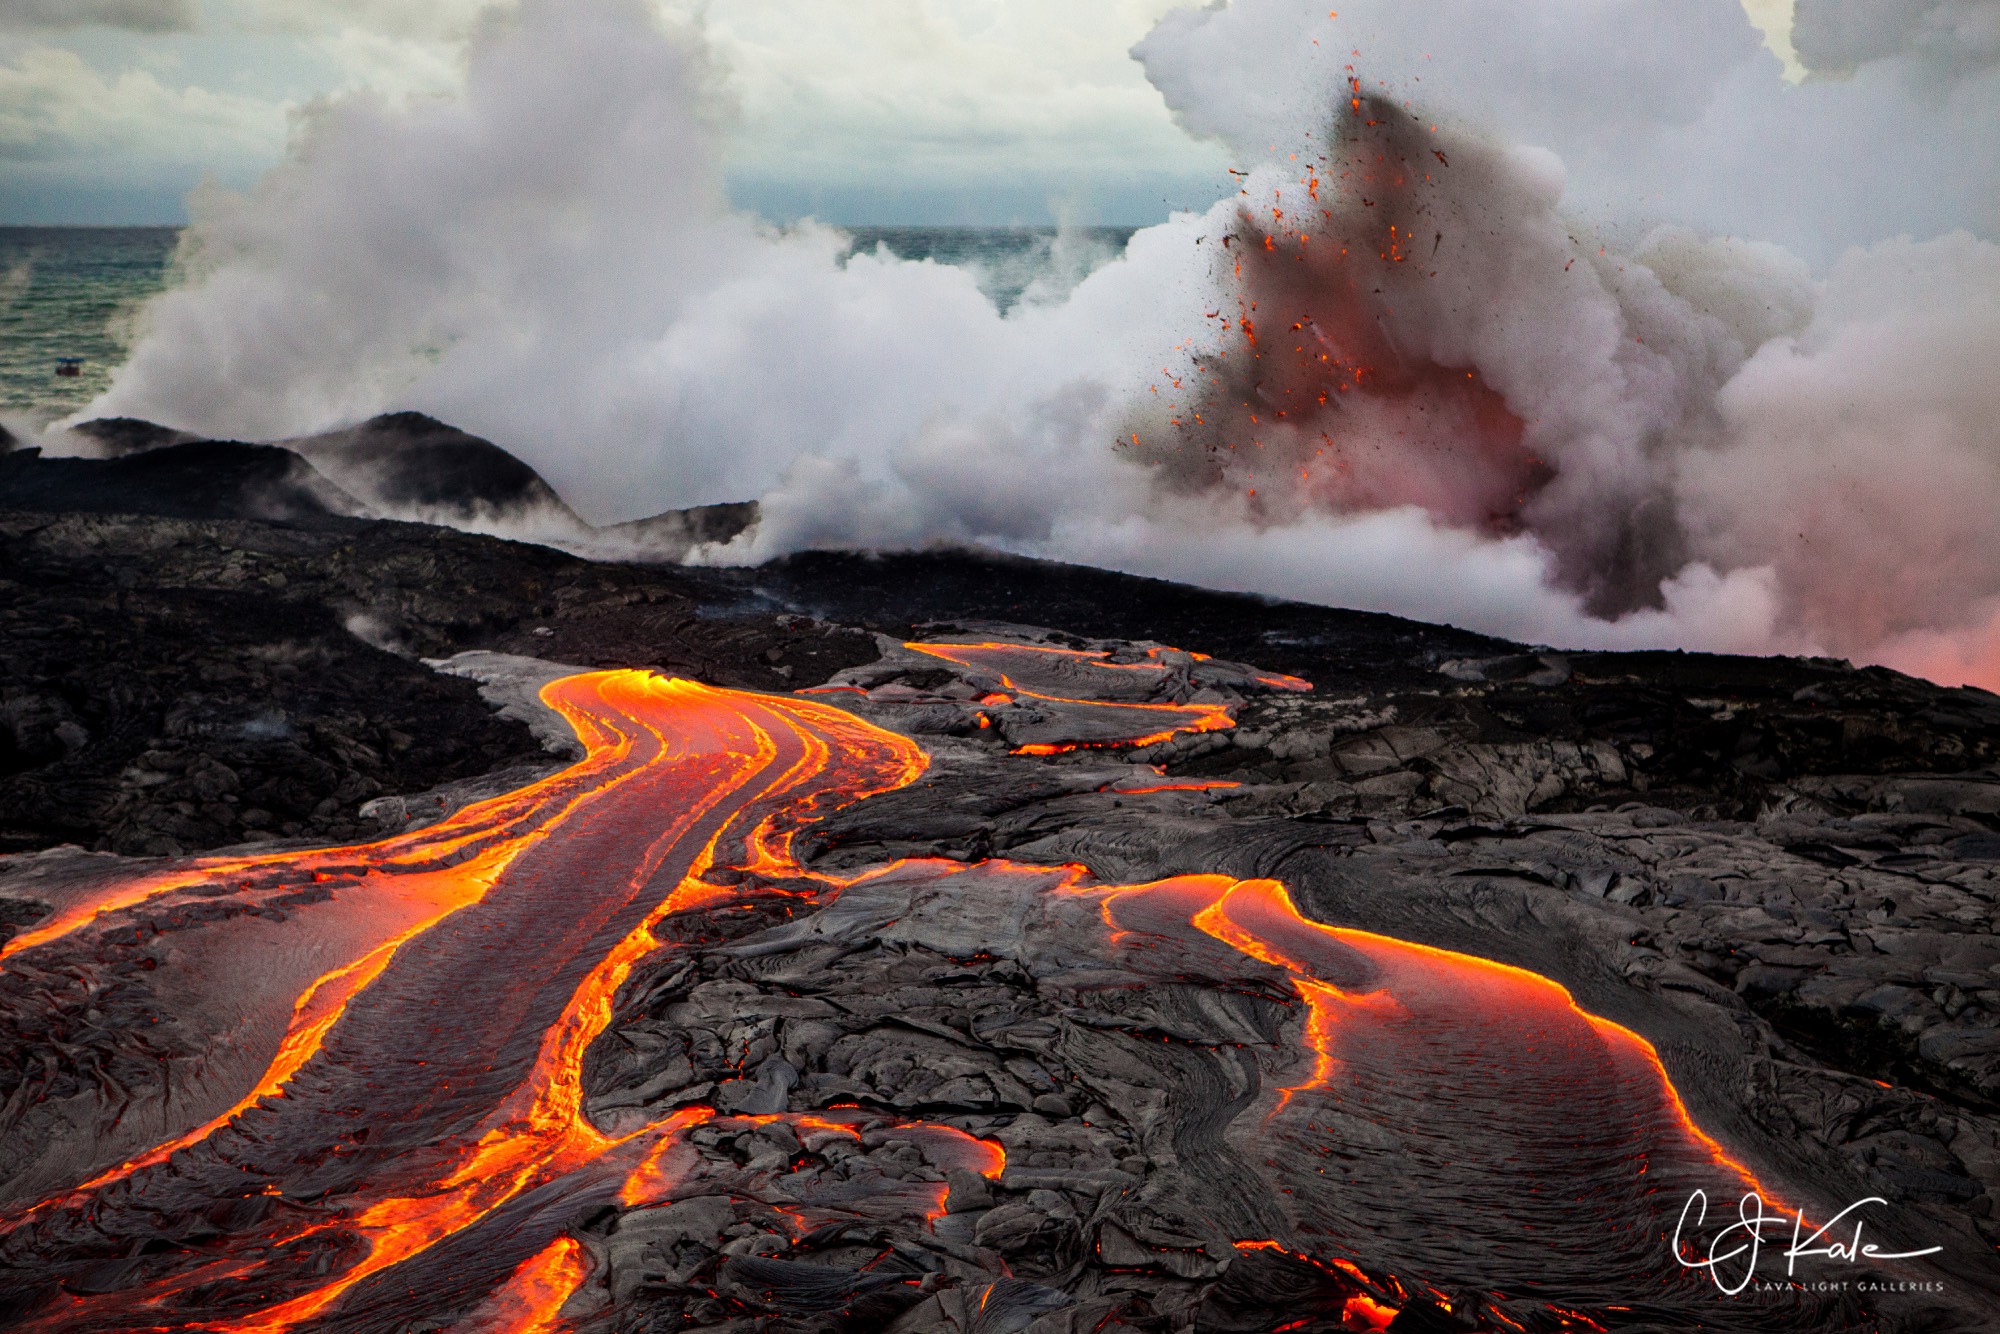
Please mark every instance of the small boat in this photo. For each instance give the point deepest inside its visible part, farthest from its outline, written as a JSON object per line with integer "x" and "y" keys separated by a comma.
{"x": 69, "y": 368}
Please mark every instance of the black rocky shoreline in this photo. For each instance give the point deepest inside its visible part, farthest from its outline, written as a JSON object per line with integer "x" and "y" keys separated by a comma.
{"x": 1785, "y": 872}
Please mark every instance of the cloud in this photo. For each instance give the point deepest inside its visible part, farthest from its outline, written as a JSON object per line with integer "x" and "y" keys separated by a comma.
{"x": 61, "y": 119}
{"x": 953, "y": 87}
{"x": 1950, "y": 37}
{"x": 135, "y": 15}
{"x": 1860, "y": 459}
{"x": 431, "y": 20}
{"x": 1400, "y": 370}
{"x": 1660, "y": 113}
{"x": 876, "y": 110}
{"x": 946, "y": 95}
{"x": 1774, "y": 19}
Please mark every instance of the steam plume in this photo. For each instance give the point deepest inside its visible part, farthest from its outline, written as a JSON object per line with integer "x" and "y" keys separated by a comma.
{"x": 1479, "y": 340}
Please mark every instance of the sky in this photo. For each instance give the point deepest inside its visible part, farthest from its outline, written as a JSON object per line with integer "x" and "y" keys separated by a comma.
{"x": 862, "y": 112}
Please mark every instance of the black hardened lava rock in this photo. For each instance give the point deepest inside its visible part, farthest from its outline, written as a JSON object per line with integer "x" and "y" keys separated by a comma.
{"x": 170, "y": 685}
{"x": 409, "y": 465}
{"x": 1698, "y": 732}
{"x": 193, "y": 480}
{"x": 144, "y": 711}
{"x": 1777, "y": 870}
{"x": 230, "y": 639}
{"x": 899, "y": 592}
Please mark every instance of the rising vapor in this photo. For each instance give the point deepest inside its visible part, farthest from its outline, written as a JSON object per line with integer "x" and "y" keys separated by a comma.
{"x": 1570, "y": 321}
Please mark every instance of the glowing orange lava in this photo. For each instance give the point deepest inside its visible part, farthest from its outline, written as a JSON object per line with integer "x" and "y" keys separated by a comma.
{"x": 1361, "y": 1311}
{"x": 676, "y": 775}
{"x": 672, "y": 1160}
{"x": 532, "y": 1300}
{"x": 1191, "y": 785}
{"x": 1258, "y": 919}
{"x": 1006, "y": 661}
{"x": 519, "y": 919}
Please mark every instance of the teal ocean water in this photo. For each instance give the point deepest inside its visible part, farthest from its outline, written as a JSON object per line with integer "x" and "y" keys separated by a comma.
{"x": 73, "y": 292}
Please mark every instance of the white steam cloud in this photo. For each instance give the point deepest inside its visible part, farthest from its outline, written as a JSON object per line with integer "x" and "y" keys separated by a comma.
{"x": 1481, "y": 340}
{"x": 137, "y": 15}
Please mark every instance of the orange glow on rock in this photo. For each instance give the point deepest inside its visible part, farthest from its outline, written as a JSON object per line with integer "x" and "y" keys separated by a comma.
{"x": 1365, "y": 999}
{"x": 1359, "y": 1311}
{"x": 533, "y": 1298}
{"x": 672, "y": 1159}
{"x": 694, "y": 765}
{"x": 666, "y": 1162}
{"x": 312, "y": 1017}
{"x": 1001, "y": 660}
{"x": 1259, "y": 918}
{"x": 1363, "y": 1312}
{"x": 694, "y": 790}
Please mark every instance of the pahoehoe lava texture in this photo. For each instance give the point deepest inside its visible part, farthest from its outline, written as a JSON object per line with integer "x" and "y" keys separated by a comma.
{"x": 1779, "y": 873}
{"x": 992, "y": 1021}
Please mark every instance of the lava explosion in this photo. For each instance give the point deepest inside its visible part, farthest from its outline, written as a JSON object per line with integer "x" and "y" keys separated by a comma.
{"x": 1314, "y": 400}
{"x": 1380, "y": 349}
{"x": 1622, "y": 355}
{"x": 419, "y": 1144}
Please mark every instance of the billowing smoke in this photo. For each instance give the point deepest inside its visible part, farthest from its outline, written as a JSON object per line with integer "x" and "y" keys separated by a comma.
{"x": 1408, "y": 319}
{"x": 1481, "y": 339}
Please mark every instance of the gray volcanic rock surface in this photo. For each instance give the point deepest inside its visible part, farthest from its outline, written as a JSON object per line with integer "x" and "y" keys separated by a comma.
{"x": 184, "y": 480}
{"x": 401, "y": 465}
{"x": 1804, "y": 973}
{"x": 176, "y": 685}
{"x": 1782, "y": 873}
{"x": 409, "y": 466}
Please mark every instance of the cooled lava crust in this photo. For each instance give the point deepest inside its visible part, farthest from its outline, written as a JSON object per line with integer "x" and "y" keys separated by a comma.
{"x": 705, "y": 1063}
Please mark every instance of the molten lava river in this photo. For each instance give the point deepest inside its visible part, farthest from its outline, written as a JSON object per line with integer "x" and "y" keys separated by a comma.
{"x": 440, "y": 1136}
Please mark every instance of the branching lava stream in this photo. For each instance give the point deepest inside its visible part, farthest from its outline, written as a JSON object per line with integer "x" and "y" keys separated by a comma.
{"x": 418, "y": 1147}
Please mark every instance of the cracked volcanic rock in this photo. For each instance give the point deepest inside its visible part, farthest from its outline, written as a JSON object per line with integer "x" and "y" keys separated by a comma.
{"x": 1782, "y": 873}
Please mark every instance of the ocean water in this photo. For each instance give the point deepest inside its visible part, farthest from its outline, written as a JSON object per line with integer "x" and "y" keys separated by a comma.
{"x": 71, "y": 292}
{"x": 74, "y": 291}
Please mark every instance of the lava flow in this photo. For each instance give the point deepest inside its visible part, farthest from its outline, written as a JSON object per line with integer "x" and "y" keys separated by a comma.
{"x": 418, "y": 1142}
{"x": 1446, "y": 1051}
{"x": 1022, "y": 667}
{"x": 432, "y": 1085}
